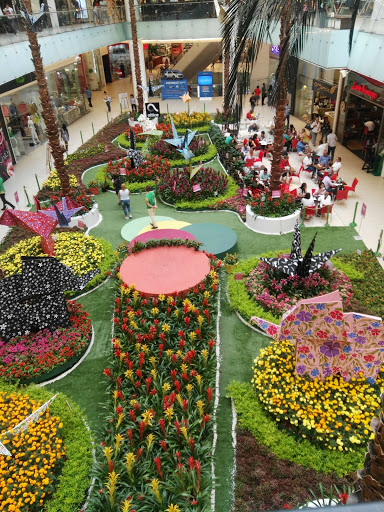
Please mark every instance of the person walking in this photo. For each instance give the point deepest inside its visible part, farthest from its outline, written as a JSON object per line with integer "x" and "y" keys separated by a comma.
{"x": 107, "y": 100}
{"x": 252, "y": 101}
{"x": 132, "y": 100}
{"x": 332, "y": 139}
{"x": 65, "y": 136}
{"x": 2, "y": 195}
{"x": 315, "y": 127}
{"x": 150, "y": 200}
{"x": 287, "y": 110}
{"x": 125, "y": 201}
{"x": 89, "y": 96}
{"x": 257, "y": 94}
{"x": 263, "y": 93}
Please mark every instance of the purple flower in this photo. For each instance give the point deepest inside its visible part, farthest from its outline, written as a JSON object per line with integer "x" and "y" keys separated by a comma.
{"x": 300, "y": 369}
{"x": 360, "y": 339}
{"x": 328, "y": 319}
{"x": 327, "y": 372}
{"x": 330, "y": 349}
{"x": 304, "y": 316}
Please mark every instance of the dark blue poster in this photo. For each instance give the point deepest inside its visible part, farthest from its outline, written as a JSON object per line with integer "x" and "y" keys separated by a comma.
{"x": 205, "y": 81}
{"x": 173, "y": 89}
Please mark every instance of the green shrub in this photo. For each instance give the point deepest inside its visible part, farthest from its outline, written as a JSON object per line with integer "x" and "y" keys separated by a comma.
{"x": 239, "y": 296}
{"x": 122, "y": 141}
{"x": 74, "y": 479}
{"x": 252, "y": 417}
{"x": 348, "y": 269}
{"x": 210, "y": 201}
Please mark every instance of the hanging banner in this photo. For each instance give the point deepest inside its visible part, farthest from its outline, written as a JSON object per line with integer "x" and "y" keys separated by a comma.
{"x": 327, "y": 89}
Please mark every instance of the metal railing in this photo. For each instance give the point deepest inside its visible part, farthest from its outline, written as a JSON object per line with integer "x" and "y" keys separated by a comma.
{"x": 76, "y": 18}
{"x": 184, "y": 10}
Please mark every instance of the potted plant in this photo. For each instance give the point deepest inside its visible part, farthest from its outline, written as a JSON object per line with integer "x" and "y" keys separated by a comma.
{"x": 93, "y": 187}
{"x": 230, "y": 261}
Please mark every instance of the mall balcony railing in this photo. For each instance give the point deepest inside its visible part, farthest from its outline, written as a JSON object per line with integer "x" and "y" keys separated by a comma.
{"x": 12, "y": 28}
{"x": 184, "y": 10}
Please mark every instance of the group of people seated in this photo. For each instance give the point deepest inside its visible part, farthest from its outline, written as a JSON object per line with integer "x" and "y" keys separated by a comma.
{"x": 320, "y": 197}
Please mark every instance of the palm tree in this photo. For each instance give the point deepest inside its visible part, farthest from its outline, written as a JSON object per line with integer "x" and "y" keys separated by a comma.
{"x": 136, "y": 56}
{"x": 250, "y": 23}
{"x": 51, "y": 126}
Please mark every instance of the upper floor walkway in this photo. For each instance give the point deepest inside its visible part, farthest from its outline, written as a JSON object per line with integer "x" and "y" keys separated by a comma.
{"x": 63, "y": 34}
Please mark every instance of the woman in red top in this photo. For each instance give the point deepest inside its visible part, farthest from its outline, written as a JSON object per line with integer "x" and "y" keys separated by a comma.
{"x": 257, "y": 94}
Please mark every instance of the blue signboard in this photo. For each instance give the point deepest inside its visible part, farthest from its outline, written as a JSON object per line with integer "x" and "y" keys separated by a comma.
{"x": 173, "y": 89}
{"x": 205, "y": 81}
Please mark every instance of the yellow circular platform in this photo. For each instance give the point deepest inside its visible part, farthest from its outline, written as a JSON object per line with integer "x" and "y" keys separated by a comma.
{"x": 167, "y": 224}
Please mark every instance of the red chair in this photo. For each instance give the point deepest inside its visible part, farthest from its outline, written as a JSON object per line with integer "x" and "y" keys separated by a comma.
{"x": 260, "y": 157}
{"x": 323, "y": 210}
{"x": 342, "y": 194}
{"x": 293, "y": 192}
{"x": 310, "y": 211}
{"x": 294, "y": 144}
{"x": 298, "y": 175}
{"x": 249, "y": 162}
{"x": 353, "y": 187}
{"x": 313, "y": 191}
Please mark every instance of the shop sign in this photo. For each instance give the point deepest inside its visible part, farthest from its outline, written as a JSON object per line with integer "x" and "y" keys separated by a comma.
{"x": 365, "y": 91}
{"x": 173, "y": 89}
{"x": 152, "y": 110}
{"x": 275, "y": 49}
{"x": 6, "y": 167}
{"x": 329, "y": 89}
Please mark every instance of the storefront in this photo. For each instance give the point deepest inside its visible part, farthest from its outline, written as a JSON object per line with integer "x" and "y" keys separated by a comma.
{"x": 119, "y": 60}
{"x": 363, "y": 101}
{"x": 316, "y": 92}
{"x": 19, "y": 104}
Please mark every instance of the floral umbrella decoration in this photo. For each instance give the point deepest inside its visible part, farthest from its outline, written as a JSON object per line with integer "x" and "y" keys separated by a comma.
{"x": 329, "y": 341}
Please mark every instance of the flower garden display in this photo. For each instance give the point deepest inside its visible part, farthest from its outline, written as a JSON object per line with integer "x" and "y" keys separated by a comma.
{"x": 43, "y": 355}
{"x": 93, "y": 186}
{"x": 177, "y": 185}
{"x": 198, "y": 146}
{"x": 236, "y": 203}
{"x": 157, "y": 444}
{"x": 91, "y": 150}
{"x": 333, "y": 413}
{"x": 53, "y": 182}
{"x": 225, "y": 117}
{"x": 268, "y": 206}
{"x": 230, "y": 261}
{"x": 190, "y": 120}
{"x": 50, "y": 462}
{"x": 277, "y": 292}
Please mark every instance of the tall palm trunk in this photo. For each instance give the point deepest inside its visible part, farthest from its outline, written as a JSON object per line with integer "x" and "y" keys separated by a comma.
{"x": 52, "y": 129}
{"x": 280, "y": 105}
{"x": 136, "y": 56}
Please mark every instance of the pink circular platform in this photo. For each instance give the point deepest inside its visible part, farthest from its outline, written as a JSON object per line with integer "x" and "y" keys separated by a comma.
{"x": 165, "y": 270}
{"x": 156, "y": 234}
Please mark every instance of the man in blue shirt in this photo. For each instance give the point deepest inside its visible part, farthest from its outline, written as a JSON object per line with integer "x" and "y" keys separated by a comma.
{"x": 89, "y": 96}
{"x": 300, "y": 146}
{"x": 323, "y": 163}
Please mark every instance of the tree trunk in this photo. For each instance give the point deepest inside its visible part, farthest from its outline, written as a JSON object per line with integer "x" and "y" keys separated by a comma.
{"x": 278, "y": 144}
{"x": 52, "y": 129}
{"x": 136, "y": 56}
{"x": 226, "y": 75}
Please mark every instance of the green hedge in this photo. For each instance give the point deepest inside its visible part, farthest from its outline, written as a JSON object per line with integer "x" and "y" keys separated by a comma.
{"x": 348, "y": 269}
{"x": 125, "y": 143}
{"x": 134, "y": 187}
{"x": 252, "y": 417}
{"x": 210, "y": 201}
{"x": 209, "y": 155}
{"x": 239, "y": 296}
{"x": 74, "y": 480}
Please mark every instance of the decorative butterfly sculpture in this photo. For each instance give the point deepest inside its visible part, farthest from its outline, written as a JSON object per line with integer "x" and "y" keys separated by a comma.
{"x": 31, "y": 19}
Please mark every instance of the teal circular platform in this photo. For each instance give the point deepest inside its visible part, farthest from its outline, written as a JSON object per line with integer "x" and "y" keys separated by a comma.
{"x": 217, "y": 239}
{"x": 133, "y": 227}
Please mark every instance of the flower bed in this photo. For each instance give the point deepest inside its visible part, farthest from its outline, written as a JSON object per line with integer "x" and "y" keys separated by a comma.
{"x": 152, "y": 167}
{"x": 79, "y": 196}
{"x": 190, "y": 120}
{"x": 158, "y": 439}
{"x": 94, "y": 149}
{"x": 332, "y": 413}
{"x": 33, "y": 357}
{"x": 277, "y": 293}
{"x": 53, "y": 182}
{"x": 50, "y": 463}
{"x": 268, "y": 206}
{"x": 79, "y": 252}
{"x": 176, "y": 185}
{"x": 198, "y": 146}
{"x": 236, "y": 203}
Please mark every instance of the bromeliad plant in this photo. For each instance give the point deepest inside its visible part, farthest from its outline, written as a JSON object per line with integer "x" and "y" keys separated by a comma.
{"x": 152, "y": 167}
{"x": 268, "y": 206}
{"x": 176, "y": 185}
{"x": 53, "y": 182}
{"x": 157, "y": 443}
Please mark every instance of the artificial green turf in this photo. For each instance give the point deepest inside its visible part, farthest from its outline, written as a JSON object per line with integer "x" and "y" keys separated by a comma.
{"x": 239, "y": 344}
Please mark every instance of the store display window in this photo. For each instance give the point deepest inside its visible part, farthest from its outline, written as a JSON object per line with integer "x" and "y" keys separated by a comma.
{"x": 21, "y": 106}
{"x": 120, "y": 60}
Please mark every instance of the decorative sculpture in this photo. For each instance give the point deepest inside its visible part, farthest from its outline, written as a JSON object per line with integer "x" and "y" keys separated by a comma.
{"x": 34, "y": 299}
{"x": 150, "y": 89}
{"x": 182, "y": 143}
{"x": 62, "y": 211}
{"x": 132, "y": 153}
{"x": 296, "y": 264}
{"x": 329, "y": 341}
